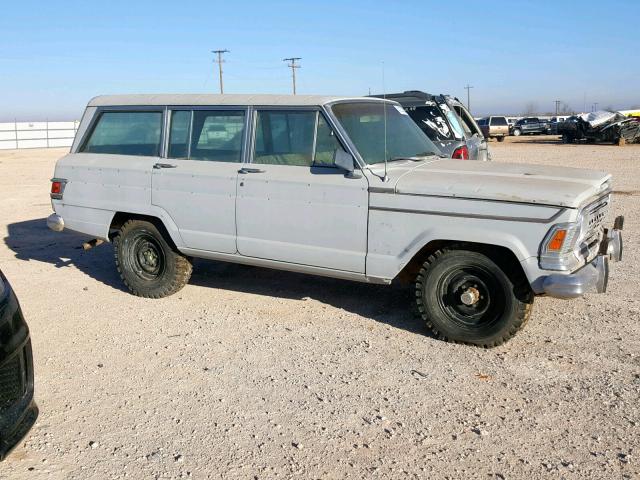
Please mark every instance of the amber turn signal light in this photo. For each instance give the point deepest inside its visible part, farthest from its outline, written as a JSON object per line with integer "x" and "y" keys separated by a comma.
{"x": 555, "y": 244}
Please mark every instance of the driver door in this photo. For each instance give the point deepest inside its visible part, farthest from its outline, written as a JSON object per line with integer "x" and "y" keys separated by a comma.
{"x": 293, "y": 203}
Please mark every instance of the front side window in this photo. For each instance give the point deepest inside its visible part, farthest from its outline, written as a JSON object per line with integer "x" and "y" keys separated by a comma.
{"x": 126, "y": 133}
{"x": 382, "y": 130}
{"x": 326, "y": 144}
{"x": 284, "y": 137}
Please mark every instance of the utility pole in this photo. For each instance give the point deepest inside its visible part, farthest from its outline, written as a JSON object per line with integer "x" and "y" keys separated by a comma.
{"x": 220, "y": 61}
{"x": 468, "y": 89}
{"x": 595, "y": 106}
{"x": 557, "y": 106}
{"x": 292, "y": 64}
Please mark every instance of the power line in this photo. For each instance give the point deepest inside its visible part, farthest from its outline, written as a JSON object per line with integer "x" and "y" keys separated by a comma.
{"x": 468, "y": 89}
{"x": 292, "y": 64}
{"x": 220, "y": 61}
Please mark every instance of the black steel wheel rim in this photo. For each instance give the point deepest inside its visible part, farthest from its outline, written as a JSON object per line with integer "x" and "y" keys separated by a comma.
{"x": 481, "y": 287}
{"x": 147, "y": 257}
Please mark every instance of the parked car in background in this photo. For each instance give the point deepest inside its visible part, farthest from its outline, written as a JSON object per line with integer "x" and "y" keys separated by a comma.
{"x": 18, "y": 411}
{"x": 348, "y": 188}
{"x": 531, "y": 126}
{"x": 495, "y": 127}
{"x": 446, "y": 121}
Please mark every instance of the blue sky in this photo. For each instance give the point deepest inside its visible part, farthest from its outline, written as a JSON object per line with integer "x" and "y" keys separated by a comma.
{"x": 54, "y": 56}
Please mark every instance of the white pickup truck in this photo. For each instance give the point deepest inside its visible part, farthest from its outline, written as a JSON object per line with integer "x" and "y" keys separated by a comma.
{"x": 343, "y": 187}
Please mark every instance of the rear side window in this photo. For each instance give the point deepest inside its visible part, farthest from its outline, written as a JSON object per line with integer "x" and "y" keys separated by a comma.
{"x": 209, "y": 135}
{"x": 431, "y": 121}
{"x": 126, "y": 133}
{"x": 284, "y": 137}
{"x": 217, "y": 136}
{"x": 499, "y": 121}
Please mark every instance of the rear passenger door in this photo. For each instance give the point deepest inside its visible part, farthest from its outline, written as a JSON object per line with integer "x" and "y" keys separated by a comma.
{"x": 294, "y": 205}
{"x": 196, "y": 183}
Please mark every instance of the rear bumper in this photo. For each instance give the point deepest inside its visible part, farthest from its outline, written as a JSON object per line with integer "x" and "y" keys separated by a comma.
{"x": 591, "y": 278}
{"x": 55, "y": 222}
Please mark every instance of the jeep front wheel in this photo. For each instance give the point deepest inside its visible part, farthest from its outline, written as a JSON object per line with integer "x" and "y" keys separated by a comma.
{"x": 517, "y": 132}
{"x": 464, "y": 296}
{"x": 148, "y": 265}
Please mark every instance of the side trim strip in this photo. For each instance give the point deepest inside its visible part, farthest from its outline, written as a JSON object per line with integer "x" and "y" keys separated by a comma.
{"x": 451, "y": 197}
{"x": 471, "y": 215}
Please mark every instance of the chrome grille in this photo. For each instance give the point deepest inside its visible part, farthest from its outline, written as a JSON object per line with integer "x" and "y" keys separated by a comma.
{"x": 596, "y": 213}
{"x": 12, "y": 381}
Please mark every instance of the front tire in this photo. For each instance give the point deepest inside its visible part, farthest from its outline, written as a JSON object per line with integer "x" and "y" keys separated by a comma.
{"x": 464, "y": 296}
{"x": 147, "y": 264}
{"x": 517, "y": 132}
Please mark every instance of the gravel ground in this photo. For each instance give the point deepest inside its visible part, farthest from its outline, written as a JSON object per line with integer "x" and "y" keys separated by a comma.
{"x": 254, "y": 373}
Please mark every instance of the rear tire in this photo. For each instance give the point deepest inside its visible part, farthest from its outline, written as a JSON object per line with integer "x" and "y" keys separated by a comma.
{"x": 148, "y": 265}
{"x": 501, "y": 139}
{"x": 464, "y": 296}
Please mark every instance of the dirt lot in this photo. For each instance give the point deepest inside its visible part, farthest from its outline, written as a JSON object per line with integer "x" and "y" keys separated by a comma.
{"x": 252, "y": 373}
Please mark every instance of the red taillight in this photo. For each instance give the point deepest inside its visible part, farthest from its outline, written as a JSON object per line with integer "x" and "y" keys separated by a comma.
{"x": 461, "y": 153}
{"x": 57, "y": 188}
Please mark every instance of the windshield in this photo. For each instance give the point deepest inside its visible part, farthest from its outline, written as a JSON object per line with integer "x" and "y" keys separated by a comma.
{"x": 365, "y": 125}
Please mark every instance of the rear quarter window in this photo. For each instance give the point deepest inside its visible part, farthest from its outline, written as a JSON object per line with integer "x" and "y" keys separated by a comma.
{"x": 431, "y": 121}
{"x": 126, "y": 133}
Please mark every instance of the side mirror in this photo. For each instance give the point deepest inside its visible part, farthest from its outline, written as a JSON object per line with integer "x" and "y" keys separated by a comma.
{"x": 343, "y": 159}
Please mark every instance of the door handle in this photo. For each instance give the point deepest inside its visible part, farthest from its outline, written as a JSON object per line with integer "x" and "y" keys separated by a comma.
{"x": 250, "y": 170}
{"x": 164, "y": 165}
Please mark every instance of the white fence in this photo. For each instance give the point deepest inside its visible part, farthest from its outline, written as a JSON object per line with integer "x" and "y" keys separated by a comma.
{"x": 37, "y": 134}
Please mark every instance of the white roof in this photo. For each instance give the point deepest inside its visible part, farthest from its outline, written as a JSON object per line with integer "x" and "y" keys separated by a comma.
{"x": 210, "y": 99}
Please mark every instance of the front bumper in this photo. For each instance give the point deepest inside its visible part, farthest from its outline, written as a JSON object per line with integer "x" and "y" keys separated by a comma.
{"x": 18, "y": 411}
{"x": 593, "y": 277}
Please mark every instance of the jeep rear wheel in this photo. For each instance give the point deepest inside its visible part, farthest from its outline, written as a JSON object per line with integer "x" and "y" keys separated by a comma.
{"x": 148, "y": 265}
{"x": 464, "y": 296}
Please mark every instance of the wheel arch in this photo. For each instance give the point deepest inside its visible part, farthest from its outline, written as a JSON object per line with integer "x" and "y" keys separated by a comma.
{"x": 163, "y": 223}
{"x": 502, "y": 255}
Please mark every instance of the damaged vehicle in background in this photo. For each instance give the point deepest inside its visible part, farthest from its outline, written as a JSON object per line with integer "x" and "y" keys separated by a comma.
{"x": 447, "y": 123}
{"x": 18, "y": 412}
{"x": 600, "y": 126}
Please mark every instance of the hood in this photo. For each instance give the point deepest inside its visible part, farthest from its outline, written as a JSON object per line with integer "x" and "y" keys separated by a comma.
{"x": 510, "y": 182}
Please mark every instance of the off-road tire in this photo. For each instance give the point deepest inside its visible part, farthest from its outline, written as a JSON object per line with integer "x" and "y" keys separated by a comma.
{"x": 500, "y": 139}
{"x": 508, "y": 302}
{"x": 517, "y": 132}
{"x": 135, "y": 247}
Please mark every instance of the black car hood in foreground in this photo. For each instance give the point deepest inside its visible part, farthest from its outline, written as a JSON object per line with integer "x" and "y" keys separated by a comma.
{"x": 18, "y": 411}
